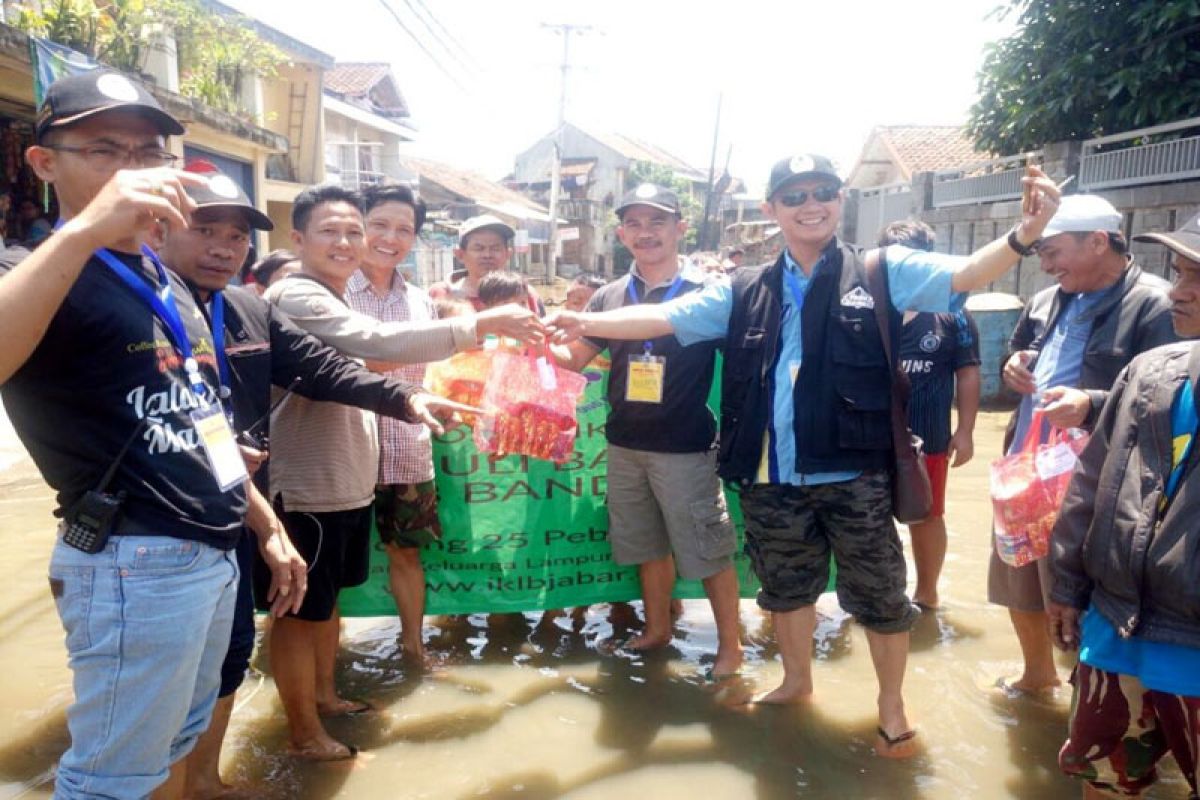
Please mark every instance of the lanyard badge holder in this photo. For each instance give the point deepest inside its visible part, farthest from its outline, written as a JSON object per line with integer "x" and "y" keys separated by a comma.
{"x": 647, "y": 372}
{"x": 208, "y": 418}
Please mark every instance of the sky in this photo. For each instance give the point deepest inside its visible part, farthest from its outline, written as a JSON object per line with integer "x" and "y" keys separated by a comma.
{"x": 792, "y": 76}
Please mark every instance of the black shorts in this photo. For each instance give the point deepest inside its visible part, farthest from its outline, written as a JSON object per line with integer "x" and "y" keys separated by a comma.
{"x": 336, "y": 545}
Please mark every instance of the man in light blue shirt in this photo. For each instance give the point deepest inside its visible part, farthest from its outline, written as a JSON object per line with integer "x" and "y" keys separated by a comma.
{"x": 805, "y": 413}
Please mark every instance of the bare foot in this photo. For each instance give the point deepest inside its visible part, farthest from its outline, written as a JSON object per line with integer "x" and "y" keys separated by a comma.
{"x": 648, "y": 641}
{"x": 787, "y": 693}
{"x": 726, "y": 665}
{"x": 926, "y": 602}
{"x": 342, "y": 707}
{"x": 323, "y": 748}
{"x": 899, "y": 745}
{"x": 1028, "y": 685}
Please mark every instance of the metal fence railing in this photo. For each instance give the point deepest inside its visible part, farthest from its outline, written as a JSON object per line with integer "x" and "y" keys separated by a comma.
{"x": 1148, "y": 155}
{"x": 985, "y": 182}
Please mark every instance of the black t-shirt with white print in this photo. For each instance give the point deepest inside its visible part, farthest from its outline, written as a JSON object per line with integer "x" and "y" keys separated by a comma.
{"x": 932, "y": 348}
{"x": 105, "y": 364}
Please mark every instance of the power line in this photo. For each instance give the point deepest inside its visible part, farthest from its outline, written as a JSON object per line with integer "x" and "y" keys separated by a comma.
{"x": 437, "y": 37}
{"x": 421, "y": 45}
{"x": 449, "y": 35}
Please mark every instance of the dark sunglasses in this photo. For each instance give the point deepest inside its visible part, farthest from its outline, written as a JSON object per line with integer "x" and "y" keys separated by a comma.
{"x": 822, "y": 194}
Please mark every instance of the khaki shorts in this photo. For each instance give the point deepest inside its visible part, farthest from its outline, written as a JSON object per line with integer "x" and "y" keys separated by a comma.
{"x": 661, "y": 504}
{"x": 1024, "y": 588}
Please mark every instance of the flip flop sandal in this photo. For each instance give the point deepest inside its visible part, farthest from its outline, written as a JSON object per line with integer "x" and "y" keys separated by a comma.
{"x": 900, "y": 746}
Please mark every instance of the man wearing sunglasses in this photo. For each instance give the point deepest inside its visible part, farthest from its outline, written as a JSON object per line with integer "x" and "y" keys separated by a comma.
{"x": 805, "y": 422}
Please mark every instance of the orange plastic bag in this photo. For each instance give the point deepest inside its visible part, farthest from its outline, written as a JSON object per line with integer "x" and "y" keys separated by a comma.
{"x": 1027, "y": 490}
{"x": 461, "y": 378}
{"x": 530, "y": 405}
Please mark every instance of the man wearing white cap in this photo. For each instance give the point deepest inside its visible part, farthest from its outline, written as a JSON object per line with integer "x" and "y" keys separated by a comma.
{"x": 1067, "y": 349}
{"x": 484, "y": 245}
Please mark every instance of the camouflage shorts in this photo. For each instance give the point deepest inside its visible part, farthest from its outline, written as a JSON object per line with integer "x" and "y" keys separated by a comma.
{"x": 406, "y": 514}
{"x": 791, "y": 531}
{"x": 1119, "y": 730}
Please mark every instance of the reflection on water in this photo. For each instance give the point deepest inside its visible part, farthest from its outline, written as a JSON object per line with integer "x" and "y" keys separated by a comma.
{"x": 515, "y": 708}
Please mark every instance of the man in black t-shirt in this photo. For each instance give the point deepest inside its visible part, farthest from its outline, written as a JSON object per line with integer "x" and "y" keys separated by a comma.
{"x": 939, "y": 352}
{"x": 108, "y": 361}
{"x": 666, "y": 509}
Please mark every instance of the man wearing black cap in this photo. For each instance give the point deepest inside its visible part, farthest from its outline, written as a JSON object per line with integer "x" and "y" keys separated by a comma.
{"x": 805, "y": 422}
{"x": 665, "y": 506}
{"x": 111, "y": 383}
{"x": 1123, "y": 554}
{"x": 262, "y": 348}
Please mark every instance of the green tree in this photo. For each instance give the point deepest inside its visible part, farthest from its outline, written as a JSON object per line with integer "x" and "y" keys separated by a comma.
{"x": 645, "y": 172}
{"x": 1075, "y": 69}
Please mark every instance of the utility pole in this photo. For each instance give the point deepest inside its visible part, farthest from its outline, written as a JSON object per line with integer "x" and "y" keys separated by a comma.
{"x": 565, "y": 31}
{"x": 703, "y": 239}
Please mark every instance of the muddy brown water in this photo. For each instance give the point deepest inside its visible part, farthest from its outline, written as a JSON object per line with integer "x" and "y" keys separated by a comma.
{"x": 544, "y": 713}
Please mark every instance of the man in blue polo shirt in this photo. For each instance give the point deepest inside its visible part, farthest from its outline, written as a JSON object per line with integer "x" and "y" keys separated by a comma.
{"x": 1124, "y": 562}
{"x": 805, "y": 422}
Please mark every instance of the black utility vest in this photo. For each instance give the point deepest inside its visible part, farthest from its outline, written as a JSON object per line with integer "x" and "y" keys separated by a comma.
{"x": 842, "y": 395}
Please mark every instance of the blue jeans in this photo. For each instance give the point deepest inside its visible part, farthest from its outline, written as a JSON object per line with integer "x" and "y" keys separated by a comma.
{"x": 147, "y": 622}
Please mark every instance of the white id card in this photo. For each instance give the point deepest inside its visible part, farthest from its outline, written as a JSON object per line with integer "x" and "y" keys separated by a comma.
{"x": 224, "y": 457}
{"x": 645, "y": 379}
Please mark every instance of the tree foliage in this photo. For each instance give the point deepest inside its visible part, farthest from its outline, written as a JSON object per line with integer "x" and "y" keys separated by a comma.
{"x": 1075, "y": 69}
{"x": 217, "y": 53}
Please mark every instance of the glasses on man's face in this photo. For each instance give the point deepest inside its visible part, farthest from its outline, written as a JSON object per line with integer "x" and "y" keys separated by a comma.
{"x": 822, "y": 194}
{"x": 111, "y": 156}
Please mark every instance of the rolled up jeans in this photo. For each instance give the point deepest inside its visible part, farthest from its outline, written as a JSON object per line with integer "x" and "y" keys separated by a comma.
{"x": 147, "y": 623}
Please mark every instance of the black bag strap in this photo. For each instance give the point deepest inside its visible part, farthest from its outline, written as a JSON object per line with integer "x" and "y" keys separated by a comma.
{"x": 876, "y": 266}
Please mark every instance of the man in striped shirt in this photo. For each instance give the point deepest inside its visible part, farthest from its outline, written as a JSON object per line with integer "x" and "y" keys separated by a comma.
{"x": 406, "y": 496}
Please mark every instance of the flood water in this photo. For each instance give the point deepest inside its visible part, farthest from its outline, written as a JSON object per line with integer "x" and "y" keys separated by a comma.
{"x": 517, "y": 711}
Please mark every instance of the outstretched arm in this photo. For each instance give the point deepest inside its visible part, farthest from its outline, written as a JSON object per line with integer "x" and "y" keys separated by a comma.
{"x": 647, "y": 321}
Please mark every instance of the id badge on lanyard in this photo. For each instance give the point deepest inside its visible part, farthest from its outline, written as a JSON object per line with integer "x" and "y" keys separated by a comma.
{"x": 646, "y": 377}
{"x": 220, "y": 446}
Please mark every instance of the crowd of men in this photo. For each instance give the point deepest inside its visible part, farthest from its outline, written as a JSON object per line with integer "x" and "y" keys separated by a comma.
{"x": 142, "y": 384}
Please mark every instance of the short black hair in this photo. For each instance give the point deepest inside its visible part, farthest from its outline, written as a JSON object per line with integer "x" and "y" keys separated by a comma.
{"x": 313, "y": 196}
{"x": 588, "y": 279}
{"x": 269, "y": 264}
{"x": 910, "y": 233}
{"x": 502, "y": 285}
{"x": 382, "y": 193}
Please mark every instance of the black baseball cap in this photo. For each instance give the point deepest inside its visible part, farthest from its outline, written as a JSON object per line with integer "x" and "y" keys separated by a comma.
{"x": 650, "y": 194}
{"x": 77, "y": 97}
{"x": 1185, "y": 241}
{"x": 221, "y": 191}
{"x": 805, "y": 165}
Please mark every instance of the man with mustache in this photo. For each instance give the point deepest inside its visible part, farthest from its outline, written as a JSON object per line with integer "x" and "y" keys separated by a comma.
{"x": 1124, "y": 562}
{"x": 665, "y": 505}
{"x": 1068, "y": 346}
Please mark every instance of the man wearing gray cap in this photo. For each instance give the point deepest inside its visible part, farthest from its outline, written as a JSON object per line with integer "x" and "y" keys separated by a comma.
{"x": 806, "y": 427}
{"x": 1068, "y": 346}
{"x": 484, "y": 245}
{"x": 1125, "y": 593}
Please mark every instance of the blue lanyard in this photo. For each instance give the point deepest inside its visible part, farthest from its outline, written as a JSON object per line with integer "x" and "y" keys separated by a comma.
{"x": 162, "y": 303}
{"x": 218, "y": 335}
{"x": 672, "y": 290}
{"x": 798, "y": 293}
{"x": 1184, "y": 414}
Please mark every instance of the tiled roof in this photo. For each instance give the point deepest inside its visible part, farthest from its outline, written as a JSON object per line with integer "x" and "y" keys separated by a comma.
{"x": 355, "y": 80}
{"x": 925, "y": 148}
{"x": 468, "y": 184}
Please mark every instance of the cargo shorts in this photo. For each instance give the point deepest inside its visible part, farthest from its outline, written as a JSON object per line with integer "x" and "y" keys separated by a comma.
{"x": 792, "y": 530}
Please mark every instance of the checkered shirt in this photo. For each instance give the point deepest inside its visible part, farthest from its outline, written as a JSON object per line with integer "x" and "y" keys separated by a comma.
{"x": 405, "y": 451}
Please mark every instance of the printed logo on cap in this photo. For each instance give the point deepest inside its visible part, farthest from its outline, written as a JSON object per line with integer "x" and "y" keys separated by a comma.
{"x": 646, "y": 191}
{"x": 802, "y": 164}
{"x": 117, "y": 87}
{"x": 223, "y": 186}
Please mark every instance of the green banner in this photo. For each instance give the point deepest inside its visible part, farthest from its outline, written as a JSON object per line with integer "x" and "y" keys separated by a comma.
{"x": 521, "y": 534}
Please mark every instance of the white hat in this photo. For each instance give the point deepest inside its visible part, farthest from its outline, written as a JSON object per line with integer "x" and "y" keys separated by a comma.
{"x": 1084, "y": 213}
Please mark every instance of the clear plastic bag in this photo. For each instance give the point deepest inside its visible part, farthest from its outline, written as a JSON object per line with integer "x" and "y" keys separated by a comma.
{"x": 530, "y": 404}
{"x": 1027, "y": 489}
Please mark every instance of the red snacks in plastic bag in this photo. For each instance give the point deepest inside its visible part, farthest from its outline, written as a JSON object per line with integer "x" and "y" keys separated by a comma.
{"x": 1027, "y": 490}
{"x": 531, "y": 407}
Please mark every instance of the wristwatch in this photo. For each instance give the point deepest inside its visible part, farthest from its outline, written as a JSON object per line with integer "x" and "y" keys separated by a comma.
{"x": 1015, "y": 244}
